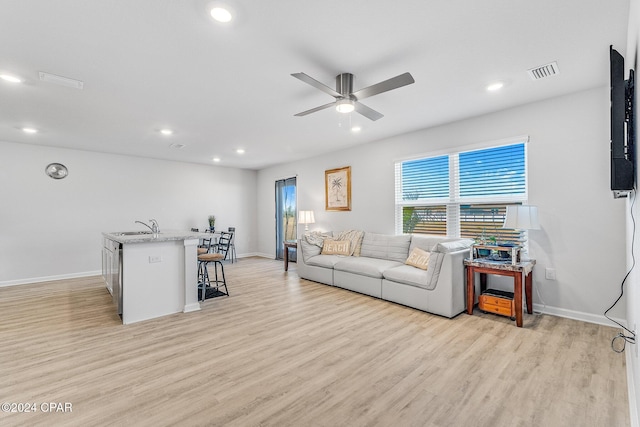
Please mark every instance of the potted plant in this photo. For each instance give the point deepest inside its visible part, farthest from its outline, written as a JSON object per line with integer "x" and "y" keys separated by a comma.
{"x": 212, "y": 223}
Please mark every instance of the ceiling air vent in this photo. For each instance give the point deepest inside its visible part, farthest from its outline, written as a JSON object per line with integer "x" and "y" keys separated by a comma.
{"x": 544, "y": 71}
{"x": 62, "y": 81}
{"x": 177, "y": 146}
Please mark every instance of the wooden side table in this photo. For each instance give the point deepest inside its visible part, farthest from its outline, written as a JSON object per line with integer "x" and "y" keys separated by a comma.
{"x": 517, "y": 271}
{"x": 291, "y": 244}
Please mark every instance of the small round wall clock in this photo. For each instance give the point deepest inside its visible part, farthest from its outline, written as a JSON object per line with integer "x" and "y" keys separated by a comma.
{"x": 56, "y": 170}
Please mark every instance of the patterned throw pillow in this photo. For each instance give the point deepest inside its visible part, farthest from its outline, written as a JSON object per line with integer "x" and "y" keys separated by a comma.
{"x": 353, "y": 236}
{"x": 418, "y": 258}
{"x": 335, "y": 247}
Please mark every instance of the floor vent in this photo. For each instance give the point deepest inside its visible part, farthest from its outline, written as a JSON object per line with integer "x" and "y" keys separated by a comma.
{"x": 544, "y": 71}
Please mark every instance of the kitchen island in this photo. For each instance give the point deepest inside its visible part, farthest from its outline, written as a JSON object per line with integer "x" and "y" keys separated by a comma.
{"x": 151, "y": 275}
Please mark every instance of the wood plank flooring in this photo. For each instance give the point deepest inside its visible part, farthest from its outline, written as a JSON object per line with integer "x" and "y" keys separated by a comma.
{"x": 281, "y": 351}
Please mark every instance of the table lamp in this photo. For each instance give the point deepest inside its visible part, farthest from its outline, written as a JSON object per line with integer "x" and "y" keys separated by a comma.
{"x": 306, "y": 218}
{"x": 522, "y": 217}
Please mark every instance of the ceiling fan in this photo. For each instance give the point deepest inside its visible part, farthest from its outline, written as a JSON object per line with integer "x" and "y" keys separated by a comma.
{"x": 347, "y": 100}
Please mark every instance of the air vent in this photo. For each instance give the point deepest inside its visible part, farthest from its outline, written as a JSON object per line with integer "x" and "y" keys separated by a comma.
{"x": 544, "y": 71}
{"x": 62, "y": 81}
{"x": 177, "y": 146}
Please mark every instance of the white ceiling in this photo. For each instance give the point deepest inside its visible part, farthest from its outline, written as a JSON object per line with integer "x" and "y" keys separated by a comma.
{"x": 150, "y": 64}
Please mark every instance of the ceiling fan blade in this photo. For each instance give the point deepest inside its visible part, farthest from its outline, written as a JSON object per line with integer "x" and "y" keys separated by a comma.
{"x": 313, "y": 110}
{"x": 387, "y": 85}
{"x": 369, "y": 113}
{"x": 313, "y": 82}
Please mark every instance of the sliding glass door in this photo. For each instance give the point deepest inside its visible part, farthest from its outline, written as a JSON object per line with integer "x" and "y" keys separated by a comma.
{"x": 286, "y": 224}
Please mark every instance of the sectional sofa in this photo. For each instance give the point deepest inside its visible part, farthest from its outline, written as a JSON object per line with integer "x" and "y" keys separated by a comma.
{"x": 380, "y": 270}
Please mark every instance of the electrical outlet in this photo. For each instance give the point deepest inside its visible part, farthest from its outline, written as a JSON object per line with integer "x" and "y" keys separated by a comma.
{"x": 155, "y": 258}
{"x": 550, "y": 273}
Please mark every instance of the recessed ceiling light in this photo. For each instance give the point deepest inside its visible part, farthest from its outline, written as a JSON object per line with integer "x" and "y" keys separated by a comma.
{"x": 356, "y": 129}
{"x": 216, "y": 159}
{"x": 10, "y": 78}
{"x": 29, "y": 130}
{"x": 240, "y": 151}
{"x": 495, "y": 86}
{"x": 221, "y": 14}
{"x": 166, "y": 132}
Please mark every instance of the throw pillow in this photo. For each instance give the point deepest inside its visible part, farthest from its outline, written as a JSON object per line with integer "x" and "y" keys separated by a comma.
{"x": 316, "y": 237}
{"x": 418, "y": 258}
{"x": 335, "y": 247}
{"x": 353, "y": 236}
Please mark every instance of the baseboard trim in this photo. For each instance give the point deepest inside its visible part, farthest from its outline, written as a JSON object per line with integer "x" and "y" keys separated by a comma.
{"x": 90, "y": 273}
{"x": 264, "y": 255}
{"x": 631, "y": 390}
{"x": 598, "y": 319}
{"x": 49, "y": 278}
{"x": 191, "y": 307}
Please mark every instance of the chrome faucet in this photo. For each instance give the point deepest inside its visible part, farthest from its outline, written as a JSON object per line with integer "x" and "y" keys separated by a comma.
{"x": 154, "y": 227}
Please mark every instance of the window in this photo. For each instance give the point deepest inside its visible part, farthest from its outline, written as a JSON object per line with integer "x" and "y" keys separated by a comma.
{"x": 285, "y": 214}
{"x": 462, "y": 194}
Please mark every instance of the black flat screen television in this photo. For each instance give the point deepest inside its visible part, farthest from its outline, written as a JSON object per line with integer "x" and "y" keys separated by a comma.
{"x": 622, "y": 127}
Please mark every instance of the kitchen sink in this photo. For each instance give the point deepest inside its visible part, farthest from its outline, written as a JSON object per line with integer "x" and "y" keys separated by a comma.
{"x": 132, "y": 233}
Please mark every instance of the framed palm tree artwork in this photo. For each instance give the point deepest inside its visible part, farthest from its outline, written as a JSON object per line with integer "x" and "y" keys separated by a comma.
{"x": 337, "y": 189}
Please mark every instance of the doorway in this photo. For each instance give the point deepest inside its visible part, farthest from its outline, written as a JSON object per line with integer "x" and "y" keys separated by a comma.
{"x": 286, "y": 223}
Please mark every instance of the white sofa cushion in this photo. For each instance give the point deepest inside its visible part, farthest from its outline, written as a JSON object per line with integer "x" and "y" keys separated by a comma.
{"x": 386, "y": 247}
{"x": 426, "y": 279}
{"x": 370, "y": 267}
{"x": 327, "y": 261}
{"x": 408, "y": 275}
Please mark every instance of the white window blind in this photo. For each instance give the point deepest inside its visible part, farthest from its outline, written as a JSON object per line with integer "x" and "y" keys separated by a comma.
{"x": 462, "y": 194}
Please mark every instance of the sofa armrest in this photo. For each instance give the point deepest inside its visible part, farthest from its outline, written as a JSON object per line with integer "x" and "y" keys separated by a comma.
{"x": 452, "y": 279}
{"x": 453, "y": 265}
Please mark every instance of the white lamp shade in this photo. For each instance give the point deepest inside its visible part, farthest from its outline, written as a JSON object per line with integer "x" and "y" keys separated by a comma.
{"x": 522, "y": 218}
{"x": 306, "y": 217}
{"x": 345, "y": 106}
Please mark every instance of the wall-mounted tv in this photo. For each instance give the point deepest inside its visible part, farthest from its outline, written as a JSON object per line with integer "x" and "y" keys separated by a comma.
{"x": 622, "y": 127}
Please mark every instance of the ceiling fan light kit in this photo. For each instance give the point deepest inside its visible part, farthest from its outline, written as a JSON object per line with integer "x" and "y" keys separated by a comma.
{"x": 344, "y": 106}
{"x": 346, "y": 100}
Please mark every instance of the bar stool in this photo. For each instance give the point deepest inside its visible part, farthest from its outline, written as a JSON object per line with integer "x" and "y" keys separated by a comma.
{"x": 206, "y": 246}
{"x": 232, "y": 244}
{"x": 204, "y": 281}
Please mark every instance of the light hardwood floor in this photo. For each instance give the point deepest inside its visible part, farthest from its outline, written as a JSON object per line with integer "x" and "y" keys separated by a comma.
{"x": 281, "y": 351}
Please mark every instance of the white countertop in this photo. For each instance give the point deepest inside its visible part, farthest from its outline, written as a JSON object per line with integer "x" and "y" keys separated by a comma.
{"x": 163, "y": 236}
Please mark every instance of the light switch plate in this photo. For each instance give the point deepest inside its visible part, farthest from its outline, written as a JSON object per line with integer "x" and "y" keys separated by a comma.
{"x": 550, "y": 273}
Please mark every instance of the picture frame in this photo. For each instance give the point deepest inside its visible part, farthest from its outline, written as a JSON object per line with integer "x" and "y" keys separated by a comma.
{"x": 337, "y": 189}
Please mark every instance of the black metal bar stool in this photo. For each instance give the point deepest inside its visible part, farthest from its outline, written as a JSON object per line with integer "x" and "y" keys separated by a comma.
{"x": 204, "y": 281}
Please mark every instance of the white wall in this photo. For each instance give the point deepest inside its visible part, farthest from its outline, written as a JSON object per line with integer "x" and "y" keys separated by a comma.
{"x": 582, "y": 233}
{"x": 52, "y": 228}
{"x": 633, "y": 282}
